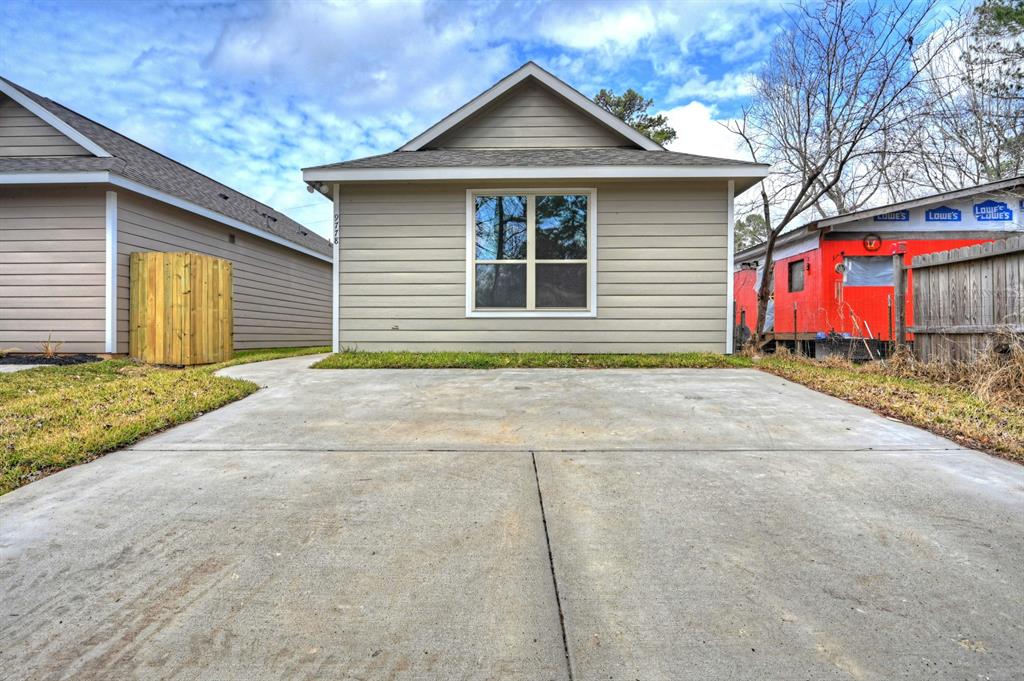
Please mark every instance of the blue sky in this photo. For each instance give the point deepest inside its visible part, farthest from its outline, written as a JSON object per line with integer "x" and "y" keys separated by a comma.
{"x": 250, "y": 92}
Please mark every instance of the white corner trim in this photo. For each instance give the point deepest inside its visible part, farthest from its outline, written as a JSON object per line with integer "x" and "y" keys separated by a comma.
{"x": 529, "y": 70}
{"x": 110, "y": 278}
{"x": 730, "y": 283}
{"x": 530, "y": 173}
{"x": 336, "y": 274}
{"x": 591, "y": 310}
{"x": 105, "y": 177}
{"x": 40, "y": 111}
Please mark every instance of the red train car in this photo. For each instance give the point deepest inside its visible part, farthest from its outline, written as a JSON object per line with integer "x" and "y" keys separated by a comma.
{"x": 834, "y": 277}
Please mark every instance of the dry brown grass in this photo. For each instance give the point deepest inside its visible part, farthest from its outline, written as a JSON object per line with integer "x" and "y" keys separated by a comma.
{"x": 49, "y": 347}
{"x": 996, "y": 376}
{"x": 979, "y": 404}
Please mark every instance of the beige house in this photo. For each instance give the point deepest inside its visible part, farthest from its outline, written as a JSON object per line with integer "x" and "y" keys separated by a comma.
{"x": 530, "y": 219}
{"x": 77, "y": 198}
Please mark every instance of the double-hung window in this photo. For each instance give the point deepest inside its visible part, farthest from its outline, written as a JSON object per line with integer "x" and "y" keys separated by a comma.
{"x": 531, "y": 253}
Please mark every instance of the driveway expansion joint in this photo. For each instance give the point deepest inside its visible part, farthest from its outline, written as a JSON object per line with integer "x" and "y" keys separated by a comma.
{"x": 551, "y": 564}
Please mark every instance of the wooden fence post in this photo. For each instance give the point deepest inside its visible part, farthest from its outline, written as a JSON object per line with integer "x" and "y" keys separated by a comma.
{"x": 900, "y": 298}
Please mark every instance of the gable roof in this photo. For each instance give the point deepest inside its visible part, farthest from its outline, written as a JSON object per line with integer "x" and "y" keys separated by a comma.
{"x": 560, "y": 87}
{"x": 413, "y": 161}
{"x": 139, "y": 165}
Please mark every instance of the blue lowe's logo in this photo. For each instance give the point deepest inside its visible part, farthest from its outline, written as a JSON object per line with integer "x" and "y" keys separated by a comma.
{"x": 943, "y": 214}
{"x": 992, "y": 211}
{"x": 894, "y": 216}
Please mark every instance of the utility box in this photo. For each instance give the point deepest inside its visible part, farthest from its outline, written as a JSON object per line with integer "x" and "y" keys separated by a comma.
{"x": 180, "y": 309}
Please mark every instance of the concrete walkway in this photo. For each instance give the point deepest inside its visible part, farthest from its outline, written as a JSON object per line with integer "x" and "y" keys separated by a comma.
{"x": 520, "y": 524}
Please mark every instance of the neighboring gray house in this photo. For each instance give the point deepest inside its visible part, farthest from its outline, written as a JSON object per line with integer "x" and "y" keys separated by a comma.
{"x": 77, "y": 198}
{"x": 532, "y": 219}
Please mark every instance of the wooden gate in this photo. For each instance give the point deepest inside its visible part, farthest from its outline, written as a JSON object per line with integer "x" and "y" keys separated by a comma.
{"x": 964, "y": 297}
{"x": 180, "y": 309}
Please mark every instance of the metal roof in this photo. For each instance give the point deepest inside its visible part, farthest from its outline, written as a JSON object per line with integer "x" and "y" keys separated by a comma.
{"x": 141, "y": 164}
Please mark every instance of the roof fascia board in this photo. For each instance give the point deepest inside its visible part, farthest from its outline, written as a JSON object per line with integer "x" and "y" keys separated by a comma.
{"x": 71, "y": 177}
{"x": 530, "y": 173}
{"x": 145, "y": 190}
{"x": 917, "y": 203}
{"x": 507, "y": 83}
{"x": 809, "y": 232}
{"x": 40, "y": 111}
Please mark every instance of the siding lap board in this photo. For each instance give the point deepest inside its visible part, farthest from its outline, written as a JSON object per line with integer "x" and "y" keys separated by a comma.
{"x": 661, "y": 273}
{"x": 529, "y": 116}
{"x": 281, "y": 297}
{"x": 22, "y": 133}
{"x": 52, "y": 268}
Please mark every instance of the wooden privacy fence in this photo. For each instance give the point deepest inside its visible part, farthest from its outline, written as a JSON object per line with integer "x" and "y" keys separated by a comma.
{"x": 963, "y": 298}
{"x": 180, "y": 309}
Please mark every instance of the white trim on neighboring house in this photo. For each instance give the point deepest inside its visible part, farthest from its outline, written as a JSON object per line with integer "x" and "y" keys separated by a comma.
{"x": 730, "y": 284}
{"x": 529, "y": 70}
{"x": 533, "y": 173}
{"x": 105, "y": 177}
{"x": 924, "y": 201}
{"x": 52, "y": 120}
{"x": 336, "y": 273}
{"x": 591, "y": 310}
{"x": 110, "y": 275}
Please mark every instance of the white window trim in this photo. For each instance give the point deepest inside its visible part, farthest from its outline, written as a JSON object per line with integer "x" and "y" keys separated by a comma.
{"x": 591, "y": 310}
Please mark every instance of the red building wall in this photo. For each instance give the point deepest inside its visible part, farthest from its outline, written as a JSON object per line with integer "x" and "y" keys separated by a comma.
{"x": 826, "y": 304}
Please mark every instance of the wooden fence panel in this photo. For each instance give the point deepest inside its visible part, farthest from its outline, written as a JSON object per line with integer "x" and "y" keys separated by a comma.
{"x": 964, "y": 297}
{"x": 180, "y": 307}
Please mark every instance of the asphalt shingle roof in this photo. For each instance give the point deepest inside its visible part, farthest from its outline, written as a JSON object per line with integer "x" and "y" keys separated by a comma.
{"x": 468, "y": 158}
{"x": 141, "y": 164}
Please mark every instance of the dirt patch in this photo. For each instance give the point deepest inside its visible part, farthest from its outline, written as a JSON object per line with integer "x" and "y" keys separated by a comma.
{"x": 57, "y": 360}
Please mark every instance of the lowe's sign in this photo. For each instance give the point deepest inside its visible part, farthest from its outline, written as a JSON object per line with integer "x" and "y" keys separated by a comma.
{"x": 894, "y": 216}
{"x": 943, "y": 214}
{"x": 992, "y": 211}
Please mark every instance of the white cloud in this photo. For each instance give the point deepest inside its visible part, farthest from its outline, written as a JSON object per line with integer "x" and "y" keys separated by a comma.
{"x": 591, "y": 27}
{"x": 730, "y": 86}
{"x": 362, "y": 57}
{"x": 700, "y": 132}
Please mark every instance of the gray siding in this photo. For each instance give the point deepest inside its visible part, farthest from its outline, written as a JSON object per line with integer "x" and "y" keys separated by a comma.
{"x": 281, "y": 297}
{"x": 22, "y": 133}
{"x": 530, "y": 115}
{"x": 52, "y": 250}
{"x": 661, "y": 273}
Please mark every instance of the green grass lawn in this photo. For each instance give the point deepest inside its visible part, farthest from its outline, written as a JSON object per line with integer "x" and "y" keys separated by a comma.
{"x": 942, "y": 408}
{"x": 531, "y": 360}
{"x": 55, "y": 417}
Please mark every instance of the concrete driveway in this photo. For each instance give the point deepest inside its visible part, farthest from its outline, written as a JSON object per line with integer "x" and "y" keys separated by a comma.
{"x": 520, "y": 524}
